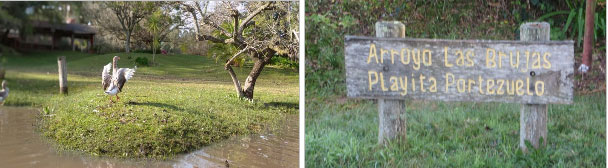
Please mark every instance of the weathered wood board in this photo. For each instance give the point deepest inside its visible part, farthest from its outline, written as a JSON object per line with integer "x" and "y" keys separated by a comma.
{"x": 460, "y": 70}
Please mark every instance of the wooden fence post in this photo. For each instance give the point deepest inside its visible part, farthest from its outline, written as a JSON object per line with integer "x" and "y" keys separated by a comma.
{"x": 391, "y": 112}
{"x": 533, "y": 117}
{"x": 63, "y": 75}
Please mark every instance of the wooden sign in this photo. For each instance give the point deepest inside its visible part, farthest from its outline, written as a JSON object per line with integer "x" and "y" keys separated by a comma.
{"x": 460, "y": 70}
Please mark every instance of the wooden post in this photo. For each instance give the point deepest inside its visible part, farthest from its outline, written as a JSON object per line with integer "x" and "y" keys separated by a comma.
{"x": 391, "y": 118}
{"x": 63, "y": 75}
{"x": 533, "y": 117}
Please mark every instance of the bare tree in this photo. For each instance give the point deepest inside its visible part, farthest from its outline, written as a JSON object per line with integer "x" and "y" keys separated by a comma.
{"x": 260, "y": 29}
{"x": 129, "y": 14}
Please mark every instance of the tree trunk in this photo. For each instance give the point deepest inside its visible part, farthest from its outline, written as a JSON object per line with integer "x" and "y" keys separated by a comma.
{"x": 259, "y": 64}
{"x": 235, "y": 81}
{"x": 128, "y": 42}
{"x": 153, "y": 53}
{"x": 5, "y": 35}
{"x": 153, "y": 47}
{"x": 588, "y": 38}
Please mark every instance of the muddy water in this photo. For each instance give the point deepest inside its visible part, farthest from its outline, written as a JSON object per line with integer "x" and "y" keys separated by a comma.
{"x": 22, "y": 146}
{"x": 279, "y": 149}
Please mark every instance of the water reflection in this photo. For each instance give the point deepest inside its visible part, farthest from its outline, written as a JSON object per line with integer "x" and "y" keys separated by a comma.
{"x": 22, "y": 146}
{"x": 279, "y": 149}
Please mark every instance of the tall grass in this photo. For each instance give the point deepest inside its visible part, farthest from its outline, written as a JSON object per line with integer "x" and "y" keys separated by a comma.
{"x": 344, "y": 134}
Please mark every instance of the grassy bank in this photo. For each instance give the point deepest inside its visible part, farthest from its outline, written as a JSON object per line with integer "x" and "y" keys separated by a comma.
{"x": 180, "y": 105}
{"x": 344, "y": 133}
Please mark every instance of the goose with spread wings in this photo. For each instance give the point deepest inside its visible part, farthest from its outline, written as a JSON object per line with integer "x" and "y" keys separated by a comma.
{"x": 3, "y": 92}
{"x": 112, "y": 84}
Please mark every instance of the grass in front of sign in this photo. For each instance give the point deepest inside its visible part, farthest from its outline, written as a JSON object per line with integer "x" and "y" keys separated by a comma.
{"x": 178, "y": 106}
{"x": 344, "y": 133}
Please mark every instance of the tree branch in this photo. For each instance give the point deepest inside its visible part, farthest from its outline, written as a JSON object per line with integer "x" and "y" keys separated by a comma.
{"x": 210, "y": 38}
{"x": 199, "y": 35}
{"x": 296, "y": 35}
{"x": 196, "y": 25}
{"x": 246, "y": 21}
{"x": 212, "y": 24}
{"x": 234, "y": 57}
{"x": 235, "y": 80}
{"x": 235, "y": 17}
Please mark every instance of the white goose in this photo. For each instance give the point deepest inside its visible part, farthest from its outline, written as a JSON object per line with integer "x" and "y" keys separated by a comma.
{"x": 3, "y": 92}
{"x": 112, "y": 84}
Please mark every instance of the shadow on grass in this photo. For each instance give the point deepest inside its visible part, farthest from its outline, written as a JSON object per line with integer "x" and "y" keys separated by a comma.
{"x": 20, "y": 103}
{"x": 281, "y": 105}
{"x": 159, "y": 105}
{"x": 35, "y": 90}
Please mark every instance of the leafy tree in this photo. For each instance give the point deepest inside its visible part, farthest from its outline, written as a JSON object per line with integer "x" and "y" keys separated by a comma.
{"x": 158, "y": 25}
{"x": 152, "y": 25}
{"x": 19, "y": 15}
{"x": 260, "y": 29}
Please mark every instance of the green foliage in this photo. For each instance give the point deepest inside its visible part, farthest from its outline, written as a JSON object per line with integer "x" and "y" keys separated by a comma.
{"x": 142, "y": 61}
{"x": 153, "y": 25}
{"x": 324, "y": 55}
{"x": 13, "y": 14}
{"x": 284, "y": 62}
{"x": 7, "y": 19}
{"x": 223, "y": 52}
{"x": 159, "y": 23}
{"x": 574, "y": 24}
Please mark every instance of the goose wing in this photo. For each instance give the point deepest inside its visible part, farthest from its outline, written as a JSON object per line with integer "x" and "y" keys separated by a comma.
{"x": 3, "y": 94}
{"x": 122, "y": 76}
{"x": 106, "y": 78}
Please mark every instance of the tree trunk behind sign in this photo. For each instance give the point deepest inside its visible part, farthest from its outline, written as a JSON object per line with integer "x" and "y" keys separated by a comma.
{"x": 588, "y": 38}
{"x": 533, "y": 117}
{"x": 391, "y": 113}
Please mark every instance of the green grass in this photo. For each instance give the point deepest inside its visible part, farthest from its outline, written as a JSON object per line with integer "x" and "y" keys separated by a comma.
{"x": 344, "y": 134}
{"x": 183, "y": 104}
{"x": 176, "y": 67}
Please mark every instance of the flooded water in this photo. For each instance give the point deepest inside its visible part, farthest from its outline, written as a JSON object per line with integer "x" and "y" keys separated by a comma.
{"x": 279, "y": 149}
{"x": 22, "y": 146}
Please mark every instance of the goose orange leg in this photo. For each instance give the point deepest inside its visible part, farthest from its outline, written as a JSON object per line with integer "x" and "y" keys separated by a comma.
{"x": 117, "y": 98}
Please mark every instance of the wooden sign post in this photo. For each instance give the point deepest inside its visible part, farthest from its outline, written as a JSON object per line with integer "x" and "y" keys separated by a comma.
{"x": 63, "y": 75}
{"x": 391, "y": 112}
{"x": 393, "y": 69}
{"x": 533, "y": 117}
